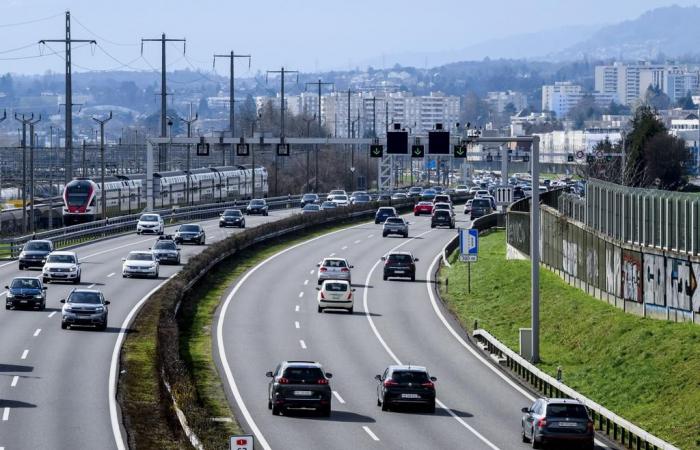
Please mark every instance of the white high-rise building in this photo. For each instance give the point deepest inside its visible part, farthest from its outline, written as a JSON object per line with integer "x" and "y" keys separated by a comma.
{"x": 629, "y": 82}
{"x": 499, "y": 100}
{"x": 560, "y": 97}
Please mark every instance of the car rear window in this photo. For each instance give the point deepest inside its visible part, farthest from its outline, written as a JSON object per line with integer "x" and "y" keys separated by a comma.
{"x": 165, "y": 245}
{"x": 442, "y": 212}
{"x": 567, "y": 410}
{"x": 481, "y": 203}
{"x": 334, "y": 263}
{"x": 409, "y": 376}
{"x": 400, "y": 258}
{"x": 394, "y": 220}
{"x": 336, "y": 287}
{"x": 303, "y": 374}
{"x": 386, "y": 211}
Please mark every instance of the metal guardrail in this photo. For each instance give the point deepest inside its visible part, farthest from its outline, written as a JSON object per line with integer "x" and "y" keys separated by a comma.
{"x": 606, "y": 421}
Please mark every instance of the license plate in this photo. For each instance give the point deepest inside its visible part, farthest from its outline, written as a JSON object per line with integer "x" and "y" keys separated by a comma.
{"x": 399, "y": 271}
{"x": 303, "y": 393}
{"x": 23, "y": 301}
{"x": 410, "y": 396}
{"x": 567, "y": 424}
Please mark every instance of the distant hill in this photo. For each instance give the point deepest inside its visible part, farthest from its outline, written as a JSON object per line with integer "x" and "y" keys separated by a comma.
{"x": 670, "y": 32}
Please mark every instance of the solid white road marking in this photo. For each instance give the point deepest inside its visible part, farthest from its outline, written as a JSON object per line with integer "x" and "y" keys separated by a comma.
{"x": 306, "y": 282}
{"x": 24, "y": 354}
{"x": 296, "y": 309}
{"x": 368, "y": 431}
{"x": 52, "y": 314}
{"x": 15, "y": 379}
{"x": 398, "y": 361}
{"x": 337, "y": 396}
{"x": 36, "y": 333}
{"x": 3, "y": 293}
{"x": 301, "y": 294}
{"x": 91, "y": 286}
{"x": 111, "y": 275}
{"x": 296, "y": 325}
{"x": 302, "y": 343}
{"x": 6, "y": 414}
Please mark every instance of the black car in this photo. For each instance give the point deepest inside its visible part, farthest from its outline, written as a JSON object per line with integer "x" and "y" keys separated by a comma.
{"x": 26, "y": 292}
{"x": 299, "y": 384}
{"x": 232, "y": 218}
{"x": 383, "y": 213}
{"x": 443, "y": 218}
{"x": 190, "y": 233}
{"x": 309, "y": 199}
{"x": 34, "y": 253}
{"x": 257, "y": 206}
{"x": 166, "y": 250}
{"x": 400, "y": 265}
{"x": 384, "y": 198}
{"x": 559, "y": 420}
{"x": 406, "y": 386}
{"x": 481, "y": 207}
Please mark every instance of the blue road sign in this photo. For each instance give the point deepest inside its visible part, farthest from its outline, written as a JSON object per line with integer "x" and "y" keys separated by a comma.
{"x": 468, "y": 244}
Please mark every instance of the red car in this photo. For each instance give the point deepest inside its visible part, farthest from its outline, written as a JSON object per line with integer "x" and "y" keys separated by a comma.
{"x": 423, "y": 208}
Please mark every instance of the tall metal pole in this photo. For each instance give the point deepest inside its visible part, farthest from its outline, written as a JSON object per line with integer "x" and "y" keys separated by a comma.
{"x": 25, "y": 121}
{"x": 32, "y": 142}
{"x": 320, "y": 85}
{"x": 103, "y": 198}
{"x": 232, "y": 56}
{"x": 69, "y": 94}
{"x": 282, "y": 72}
{"x": 189, "y": 123}
{"x": 535, "y": 248}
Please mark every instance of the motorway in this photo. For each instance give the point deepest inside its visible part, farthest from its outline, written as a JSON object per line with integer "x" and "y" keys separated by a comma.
{"x": 270, "y": 316}
{"x": 56, "y": 385}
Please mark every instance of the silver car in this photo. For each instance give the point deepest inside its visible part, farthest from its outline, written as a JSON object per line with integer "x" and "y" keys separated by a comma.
{"x": 395, "y": 225}
{"x": 334, "y": 269}
{"x": 84, "y": 307}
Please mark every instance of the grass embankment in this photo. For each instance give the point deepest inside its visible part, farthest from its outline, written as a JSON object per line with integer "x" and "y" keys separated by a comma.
{"x": 645, "y": 370}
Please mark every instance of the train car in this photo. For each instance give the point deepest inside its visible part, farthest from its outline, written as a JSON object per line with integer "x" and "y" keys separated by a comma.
{"x": 126, "y": 194}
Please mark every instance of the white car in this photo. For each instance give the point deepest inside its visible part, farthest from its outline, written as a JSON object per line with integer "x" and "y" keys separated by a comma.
{"x": 333, "y": 269}
{"x": 461, "y": 189}
{"x": 341, "y": 200}
{"x": 61, "y": 266}
{"x": 140, "y": 263}
{"x": 150, "y": 223}
{"x": 335, "y": 294}
{"x": 336, "y": 192}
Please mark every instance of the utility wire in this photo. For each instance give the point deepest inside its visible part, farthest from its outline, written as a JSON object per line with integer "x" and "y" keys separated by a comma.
{"x": 29, "y": 22}
{"x": 120, "y": 44}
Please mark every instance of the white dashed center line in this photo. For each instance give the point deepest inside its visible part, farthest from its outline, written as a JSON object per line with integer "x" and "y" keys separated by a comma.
{"x": 111, "y": 275}
{"x": 296, "y": 325}
{"x": 332, "y": 254}
{"x": 340, "y": 399}
{"x": 312, "y": 271}
{"x": 36, "y": 333}
{"x": 24, "y": 354}
{"x": 15, "y": 379}
{"x": 357, "y": 242}
{"x": 52, "y": 314}
{"x": 3, "y": 293}
{"x": 301, "y": 294}
{"x": 306, "y": 282}
{"x": 296, "y": 309}
{"x": 91, "y": 286}
{"x": 302, "y": 343}
{"x": 368, "y": 431}
{"x": 345, "y": 247}
{"x": 6, "y": 414}
{"x": 370, "y": 236}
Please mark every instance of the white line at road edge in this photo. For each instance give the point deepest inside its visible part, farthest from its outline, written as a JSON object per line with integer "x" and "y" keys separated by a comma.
{"x": 461, "y": 341}
{"x": 221, "y": 346}
{"x": 52, "y": 314}
{"x": 397, "y": 360}
{"x": 112, "y": 394}
{"x": 368, "y": 431}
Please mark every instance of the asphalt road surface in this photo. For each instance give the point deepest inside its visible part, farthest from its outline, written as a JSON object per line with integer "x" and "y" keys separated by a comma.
{"x": 55, "y": 390}
{"x": 270, "y": 316}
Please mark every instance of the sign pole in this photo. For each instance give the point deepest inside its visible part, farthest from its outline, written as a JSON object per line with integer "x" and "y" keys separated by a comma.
{"x": 469, "y": 277}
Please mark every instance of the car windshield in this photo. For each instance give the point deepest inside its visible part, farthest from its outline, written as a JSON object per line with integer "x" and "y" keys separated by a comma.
{"x": 190, "y": 228}
{"x": 139, "y": 257}
{"x": 309, "y": 197}
{"x": 442, "y": 212}
{"x": 295, "y": 374}
{"x": 38, "y": 246}
{"x": 334, "y": 263}
{"x": 340, "y": 197}
{"x": 257, "y": 202}
{"x": 25, "y": 283}
{"x": 311, "y": 208}
{"x": 567, "y": 410}
{"x": 337, "y": 192}
{"x": 409, "y": 376}
{"x": 401, "y": 258}
{"x": 481, "y": 203}
{"x": 329, "y": 205}
{"x": 394, "y": 220}
{"x": 363, "y": 197}
{"x": 149, "y": 218}
{"x": 386, "y": 211}
{"x": 165, "y": 245}
{"x": 232, "y": 213}
{"x": 64, "y": 259}
{"x": 336, "y": 287}
{"x": 425, "y": 203}
{"x": 92, "y": 298}
{"x": 442, "y": 206}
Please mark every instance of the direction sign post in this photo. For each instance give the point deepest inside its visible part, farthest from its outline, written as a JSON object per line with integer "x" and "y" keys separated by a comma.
{"x": 468, "y": 250}
{"x": 245, "y": 442}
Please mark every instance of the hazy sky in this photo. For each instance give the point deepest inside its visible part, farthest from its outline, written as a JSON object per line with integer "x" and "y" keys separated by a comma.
{"x": 303, "y": 35}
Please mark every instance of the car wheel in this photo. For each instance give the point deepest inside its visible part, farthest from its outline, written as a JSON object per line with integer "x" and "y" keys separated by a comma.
{"x": 45, "y": 280}
{"x": 7, "y": 306}
{"x": 351, "y": 310}
{"x": 43, "y": 306}
{"x": 431, "y": 408}
{"x": 77, "y": 280}
{"x": 178, "y": 261}
{"x": 384, "y": 234}
{"x": 405, "y": 235}
{"x": 534, "y": 441}
{"x": 385, "y": 405}
{"x": 525, "y": 439}
{"x": 64, "y": 325}
{"x": 319, "y": 309}
{"x": 385, "y": 277}
{"x": 156, "y": 275}
{"x": 221, "y": 226}
{"x": 102, "y": 327}
{"x": 326, "y": 411}
{"x": 276, "y": 410}
{"x": 432, "y": 225}
{"x": 415, "y": 214}
{"x": 269, "y": 404}
{"x": 413, "y": 277}
{"x": 21, "y": 267}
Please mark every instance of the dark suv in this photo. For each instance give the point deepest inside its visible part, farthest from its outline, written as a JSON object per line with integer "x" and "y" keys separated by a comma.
{"x": 442, "y": 218}
{"x": 557, "y": 420}
{"x": 34, "y": 253}
{"x": 481, "y": 207}
{"x": 257, "y": 206}
{"x": 400, "y": 265}
{"x": 232, "y": 217}
{"x": 383, "y": 213}
{"x": 299, "y": 384}
{"x": 25, "y": 292}
{"x": 407, "y": 386}
{"x": 192, "y": 233}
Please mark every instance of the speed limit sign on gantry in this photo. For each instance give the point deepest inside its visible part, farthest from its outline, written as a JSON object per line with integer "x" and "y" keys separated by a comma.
{"x": 242, "y": 443}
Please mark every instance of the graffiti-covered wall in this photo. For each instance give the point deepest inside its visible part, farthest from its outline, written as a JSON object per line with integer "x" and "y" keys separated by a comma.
{"x": 644, "y": 280}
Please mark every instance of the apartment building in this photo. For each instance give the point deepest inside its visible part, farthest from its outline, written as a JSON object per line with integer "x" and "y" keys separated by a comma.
{"x": 498, "y": 101}
{"x": 629, "y": 82}
{"x": 562, "y": 96}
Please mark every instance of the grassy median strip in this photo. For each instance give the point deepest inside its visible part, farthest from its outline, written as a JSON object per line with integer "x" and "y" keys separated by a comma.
{"x": 647, "y": 371}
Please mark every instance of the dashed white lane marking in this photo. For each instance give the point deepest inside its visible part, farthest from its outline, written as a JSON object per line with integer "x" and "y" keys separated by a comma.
{"x": 370, "y": 236}
{"x": 91, "y": 286}
{"x": 345, "y": 247}
{"x": 332, "y": 254}
{"x": 3, "y": 293}
{"x": 296, "y": 325}
{"x": 302, "y": 343}
{"x": 301, "y": 294}
{"x": 6, "y": 414}
{"x": 371, "y": 434}
{"x": 357, "y": 241}
{"x": 52, "y": 314}
{"x": 312, "y": 271}
{"x": 338, "y": 397}
{"x": 24, "y": 354}
{"x": 36, "y": 333}
{"x": 296, "y": 309}
{"x": 111, "y": 275}
{"x": 15, "y": 379}
{"x": 306, "y": 282}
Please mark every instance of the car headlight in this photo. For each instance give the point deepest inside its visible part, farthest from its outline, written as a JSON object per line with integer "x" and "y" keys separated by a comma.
{"x": 22, "y": 255}
{"x": 67, "y": 308}
{"x": 73, "y": 269}
{"x": 38, "y": 296}
{"x": 10, "y": 295}
{"x": 99, "y": 309}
